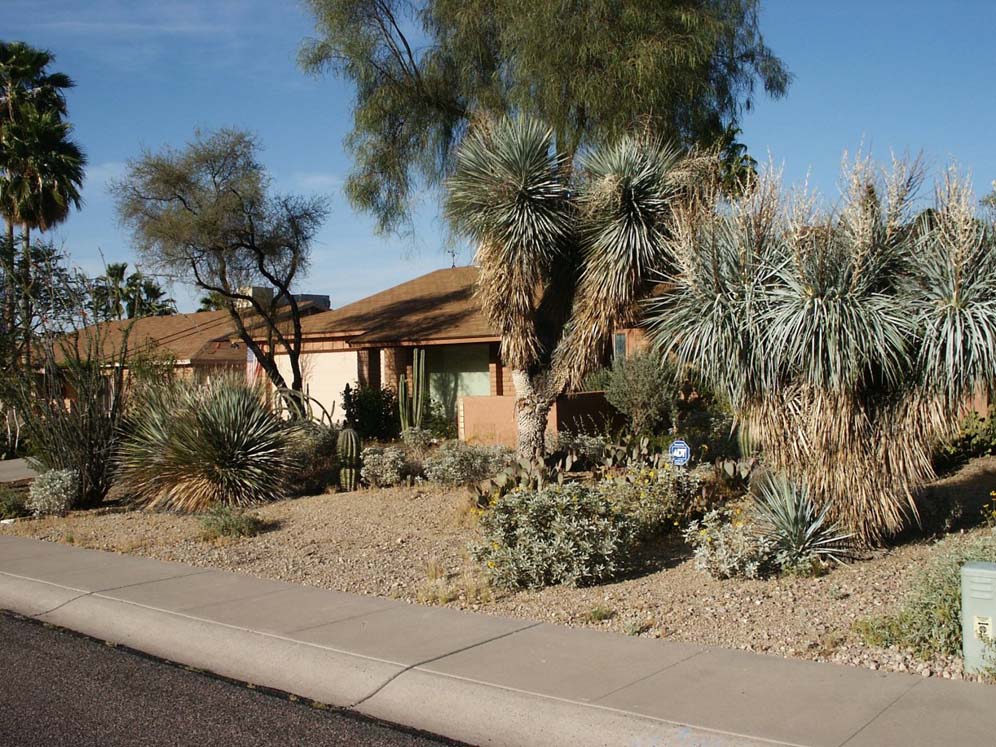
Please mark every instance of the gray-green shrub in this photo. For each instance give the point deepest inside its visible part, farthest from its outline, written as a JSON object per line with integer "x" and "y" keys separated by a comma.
{"x": 726, "y": 545}
{"x": 53, "y": 492}
{"x": 383, "y": 466}
{"x": 563, "y": 534}
{"x": 458, "y": 463}
{"x": 929, "y": 621}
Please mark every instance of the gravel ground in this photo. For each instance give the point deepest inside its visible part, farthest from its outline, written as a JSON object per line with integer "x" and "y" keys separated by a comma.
{"x": 411, "y": 544}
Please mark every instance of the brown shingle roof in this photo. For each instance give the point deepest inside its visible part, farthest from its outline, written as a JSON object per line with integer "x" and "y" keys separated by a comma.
{"x": 200, "y": 337}
{"x": 436, "y": 306}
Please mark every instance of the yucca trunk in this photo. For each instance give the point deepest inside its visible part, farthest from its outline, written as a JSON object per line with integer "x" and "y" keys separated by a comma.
{"x": 533, "y": 402}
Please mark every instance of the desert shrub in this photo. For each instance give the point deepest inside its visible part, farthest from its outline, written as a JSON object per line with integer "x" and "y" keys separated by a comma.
{"x": 372, "y": 412}
{"x": 725, "y": 545}
{"x": 564, "y": 534}
{"x": 643, "y": 390}
{"x": 190, "y": 447}
{"x": 383, "y": 466}
{"x": 312, "y": 451}
{"x": 658, "y": 500}
{"x": 929, "y": 621}
{"x": 71, "y": 419}
{"x": 12, "y": 505}
{"x": 458, "y": 463}
{"x": 440, "y": 422}
{"x": 418, "y": 440}
{"x": 53, "y": 492}
{"x": 586, "y": 449}
{"x": 976, "y": 437}
{"x": 801, "y": 536}
{"x": 597, "y": 380}
{"x": 225, "y": 521}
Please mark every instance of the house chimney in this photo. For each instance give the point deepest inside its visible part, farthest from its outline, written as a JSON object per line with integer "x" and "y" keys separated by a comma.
{"x": 262, "y": 295}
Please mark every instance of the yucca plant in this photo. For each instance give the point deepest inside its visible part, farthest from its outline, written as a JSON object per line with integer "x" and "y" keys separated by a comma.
{"x": 848, "y": 341}
{"x": 191, "y": 447}
{"x": 799, "y": 533}
{"x": 565, "y": 248}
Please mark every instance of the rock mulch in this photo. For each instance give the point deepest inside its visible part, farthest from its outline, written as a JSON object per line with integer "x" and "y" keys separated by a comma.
{"x": 411, "y": 544}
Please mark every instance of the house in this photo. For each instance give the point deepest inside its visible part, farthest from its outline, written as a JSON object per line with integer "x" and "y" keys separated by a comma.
{"x": 198, "y": 345}
{"x": 370, "y": 342}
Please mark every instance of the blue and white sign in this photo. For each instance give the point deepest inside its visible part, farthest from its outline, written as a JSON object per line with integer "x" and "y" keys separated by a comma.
{"x": 680, "y": 453}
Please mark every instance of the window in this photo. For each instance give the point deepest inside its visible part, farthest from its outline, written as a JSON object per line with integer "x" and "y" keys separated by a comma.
{"x": 619, "y": 345}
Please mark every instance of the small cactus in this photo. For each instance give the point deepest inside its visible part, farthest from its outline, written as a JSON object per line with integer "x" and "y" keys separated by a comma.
{"x": 347, "y": 478}
{"x": 349, "y": 458}
{"x": 411, "y": 405}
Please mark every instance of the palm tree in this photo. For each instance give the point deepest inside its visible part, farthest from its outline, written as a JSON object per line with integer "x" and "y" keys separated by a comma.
{"x": 561, "y": 258}
{"x": 147, "y": 298}
{"x": 24, "y": 82}
{"x": 118, "y": 295}
{"x": 44, "y": 175}
{"x": 848, "y": 341}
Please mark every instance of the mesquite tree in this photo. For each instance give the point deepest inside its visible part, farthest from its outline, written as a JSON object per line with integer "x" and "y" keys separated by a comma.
{"x": 204, "y": 215}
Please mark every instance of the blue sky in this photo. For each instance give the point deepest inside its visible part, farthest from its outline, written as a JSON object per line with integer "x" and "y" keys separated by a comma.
{"x": 886, "y": 75}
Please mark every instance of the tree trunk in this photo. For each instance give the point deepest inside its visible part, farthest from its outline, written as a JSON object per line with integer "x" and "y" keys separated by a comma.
{"x": 533, "y": 402}
{"x": 10, "y": 295}
{"x": 26, "y": 306}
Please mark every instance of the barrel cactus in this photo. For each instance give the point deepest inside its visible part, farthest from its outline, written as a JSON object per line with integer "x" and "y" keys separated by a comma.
{"x": 349, "y": 458}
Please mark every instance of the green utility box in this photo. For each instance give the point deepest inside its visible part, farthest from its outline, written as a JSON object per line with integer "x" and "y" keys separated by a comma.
{"x": 978, "y": 613}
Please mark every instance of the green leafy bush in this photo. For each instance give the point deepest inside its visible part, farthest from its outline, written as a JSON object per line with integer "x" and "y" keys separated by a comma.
{"x": 312, "y": 451}
{"x": 801, "y": 536}
{"x": 12, "y": 505}
{"x": 657, "y": 499}
{"x": 383, "y": 466}
{"x": 726, "y": 545}
{"x": 191, "y": 447}
{"x": 976, "y": 437}
{"x": 643, "y": 390}
{"x": 225, "y": 521}
{"x": 458, "y": 463}
{"x": 53, "y": 492}
{"x": 567, "y": 534}
{"x": 372, "y": 412}
{"x": 929, "y": 621}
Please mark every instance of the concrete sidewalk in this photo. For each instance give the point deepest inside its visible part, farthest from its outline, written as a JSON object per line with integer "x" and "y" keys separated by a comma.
{"x": 479, "y": 679}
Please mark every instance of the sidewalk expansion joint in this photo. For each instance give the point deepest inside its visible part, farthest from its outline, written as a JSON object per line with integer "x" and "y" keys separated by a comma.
{"x": 613, "y": 691}
{"x": 430, "y": 660}
{"x": 885, "y": 708}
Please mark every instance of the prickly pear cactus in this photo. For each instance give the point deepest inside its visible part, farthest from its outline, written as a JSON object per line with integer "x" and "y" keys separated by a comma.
{"x": 349, "y": 457}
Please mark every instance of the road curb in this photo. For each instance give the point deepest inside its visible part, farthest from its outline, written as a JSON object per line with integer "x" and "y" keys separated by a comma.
{"x": 473, "y": 712}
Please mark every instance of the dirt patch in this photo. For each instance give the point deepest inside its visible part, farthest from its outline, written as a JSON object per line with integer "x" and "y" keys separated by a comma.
{"x": 411, "y": 544}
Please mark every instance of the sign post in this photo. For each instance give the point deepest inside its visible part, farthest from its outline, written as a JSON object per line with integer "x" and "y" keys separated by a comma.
{"x": 680, "y": 453}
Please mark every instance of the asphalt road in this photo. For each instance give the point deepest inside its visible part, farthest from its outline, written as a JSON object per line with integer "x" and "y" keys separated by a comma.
{"x": 58, "y": 688}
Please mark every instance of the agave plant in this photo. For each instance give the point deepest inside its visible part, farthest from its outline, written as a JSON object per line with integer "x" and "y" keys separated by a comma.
{"x": 847, "y": 340}
{"x": 191, "y": 447}
{"x": 797, "y": 531}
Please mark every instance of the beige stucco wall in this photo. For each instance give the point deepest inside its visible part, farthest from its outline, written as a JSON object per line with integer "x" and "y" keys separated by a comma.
{"x": 325, "y": 376}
